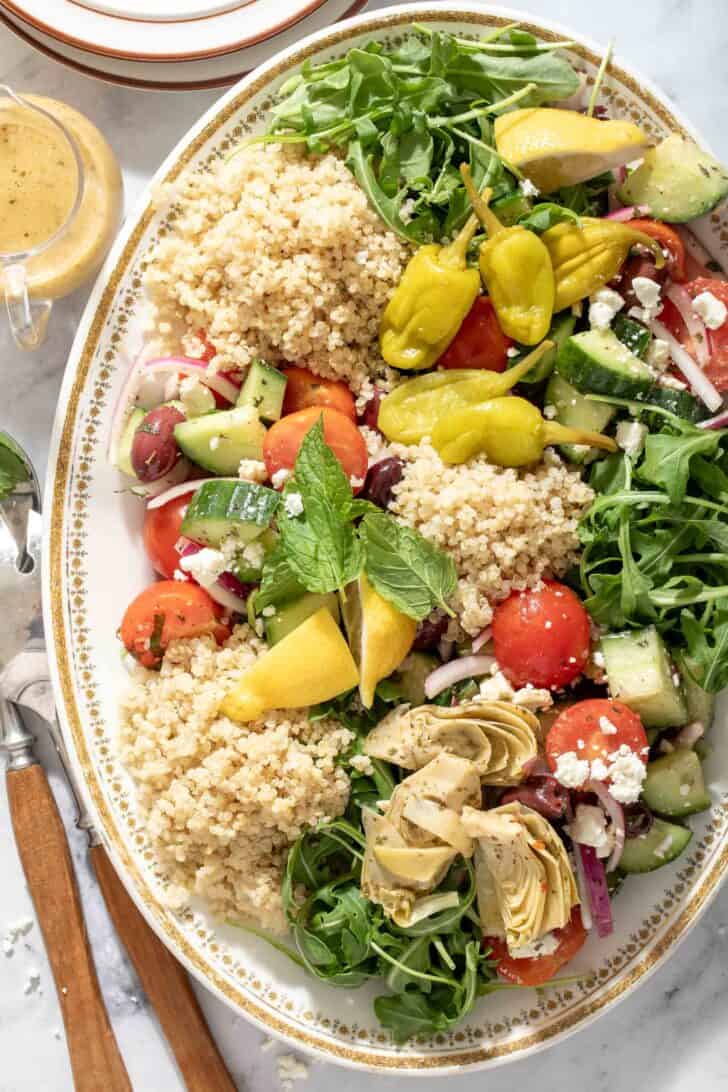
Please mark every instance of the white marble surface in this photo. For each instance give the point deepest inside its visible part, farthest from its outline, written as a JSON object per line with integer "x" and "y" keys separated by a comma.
{"x": 673, "y": 1033}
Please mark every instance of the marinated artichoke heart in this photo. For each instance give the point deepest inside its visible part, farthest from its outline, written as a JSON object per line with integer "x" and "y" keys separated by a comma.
{"x": 525, "y": 884}
{"x": 411, "y": 846}
{"x": 499, "y": 738}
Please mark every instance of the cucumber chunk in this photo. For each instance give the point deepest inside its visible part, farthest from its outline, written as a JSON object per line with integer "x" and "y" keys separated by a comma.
{"x": 263, "y": 389}
{"x": 123, "y": 457}
{"x": 562, "y": 327}
{"x": 674, "y": 785}
{"x": 225, "y": 509}
{"x": 701, "y": 704}
{"x": 220, "y": 441}
{"x": 681, "y": 403}
{"x": 677, "y": 181}
{"x": 632, "y": 334}
{"x": 292, "y": 615}
{"x": 251, "y": 571}
{"x": 596, "y": 362}
{"x": 575, "y": 411}
{"x": 639, "y": 673}
{"x": 662, "y": 844}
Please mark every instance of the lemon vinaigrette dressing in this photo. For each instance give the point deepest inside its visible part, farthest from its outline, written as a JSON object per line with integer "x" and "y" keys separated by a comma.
{"x": 39, "y": 179}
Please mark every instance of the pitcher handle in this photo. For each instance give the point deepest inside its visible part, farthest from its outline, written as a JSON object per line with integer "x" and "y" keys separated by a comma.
{"x": 28, "y": 317}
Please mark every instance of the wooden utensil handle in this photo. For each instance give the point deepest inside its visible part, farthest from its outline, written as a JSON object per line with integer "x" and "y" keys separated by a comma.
{"x": 167, "y": 986}
{"x": 43, "y": 848}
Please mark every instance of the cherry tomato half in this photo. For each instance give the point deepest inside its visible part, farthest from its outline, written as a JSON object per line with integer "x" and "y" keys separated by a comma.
{"x": 304, "y": 389}
{"x": 284, "y": 438}
{"x": 164, "y": 612}
{"x": 480, "y": 342}
{"x": 162, "y": 530}
{"x": 581, "y": 728}
{"x": 717, "y": 368}
{"x": 669, "y": 240}
{"x": 540, "y": 969}
{"x": 541, "y": 636}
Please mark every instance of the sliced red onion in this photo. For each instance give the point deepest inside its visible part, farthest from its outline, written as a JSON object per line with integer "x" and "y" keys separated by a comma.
{"x": 719, "y": 421}
{"x": 159, "y": 500}
{"x": 466, "y": 667}
{"x": 179, "y": 473}
{"x": 596, "y": 886}
{"x": 122, "y": 409}
{"x": 226, "y": 598}
{"x": 227, "y": 590}
{"x": 695, "y": 325}
{"x": 482, "y": 639}
{"x": 699, "y": 382}
{"x": 627, "y": 213}
{"x": 615, "y": 811}
{"x": 185, "y": 365}
{"x": 583, "y": 889}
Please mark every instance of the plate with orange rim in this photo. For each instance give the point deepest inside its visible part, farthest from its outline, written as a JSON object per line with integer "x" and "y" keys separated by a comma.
{"x": 83, "y": 608}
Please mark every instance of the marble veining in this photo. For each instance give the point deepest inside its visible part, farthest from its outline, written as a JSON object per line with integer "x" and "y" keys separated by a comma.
{"x": 672, "y": 1031}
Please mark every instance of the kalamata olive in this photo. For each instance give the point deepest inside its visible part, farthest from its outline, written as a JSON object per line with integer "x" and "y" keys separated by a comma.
{"x": 370, "y": 414}
{"x": 638, "y": 819}
{"x": 380, "y": 481}
{"x": 154, "y": 450}
{"x": 544, "y": 794}
{"x": 430, "y": 631}
{"x": 638, "y": 266}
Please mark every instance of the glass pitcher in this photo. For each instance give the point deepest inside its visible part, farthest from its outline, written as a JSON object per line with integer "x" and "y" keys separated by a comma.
{"x": 42, "y": 183}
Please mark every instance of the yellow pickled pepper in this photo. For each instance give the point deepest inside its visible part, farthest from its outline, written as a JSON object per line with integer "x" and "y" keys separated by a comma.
{"x": 517, "y": 271}
{"x": 587, "y": 255}
{"x": 429, "y": 304}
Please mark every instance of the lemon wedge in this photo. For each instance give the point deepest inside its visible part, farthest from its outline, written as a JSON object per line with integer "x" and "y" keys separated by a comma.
{"x": 380, "y": 636}
{"x": 557, "y": 148}
{"x": 312, "y": 664}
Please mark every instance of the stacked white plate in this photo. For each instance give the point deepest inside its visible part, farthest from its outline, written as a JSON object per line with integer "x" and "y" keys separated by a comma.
{"x": 170, "y": 45}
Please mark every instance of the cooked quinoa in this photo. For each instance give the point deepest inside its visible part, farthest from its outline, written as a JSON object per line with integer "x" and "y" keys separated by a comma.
{"x": 276, "y": 255}
{"x": 222, "y": 801}
{"x": 505, "y": 529}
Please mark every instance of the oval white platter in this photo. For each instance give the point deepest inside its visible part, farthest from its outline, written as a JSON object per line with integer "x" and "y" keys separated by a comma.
{"x": 94, "y": 564}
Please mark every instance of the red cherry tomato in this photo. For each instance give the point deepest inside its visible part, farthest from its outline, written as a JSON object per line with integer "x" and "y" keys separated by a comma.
{"x": 480, "y": 342}
{"x": 164, "y": 612}
{"x": 304, "y": 389}
{"x": 162, "y": 530}
{"x": 209, "y": 349}
{"x": 541, "y": 636}
{"x": 717, "y": 367}
{"x": 580, "y": 729}
{"x": 669, "y": 240}
{"x": 284, "y": 438}
{"x": 540, "y": 969}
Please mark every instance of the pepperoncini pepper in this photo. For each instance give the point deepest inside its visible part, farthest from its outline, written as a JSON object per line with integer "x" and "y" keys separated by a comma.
{"x": 413, "y": 408}
{"x": 509, "y": 431}
{"x": 587, "y": 255}
{"x": 516, "y": 269}
{"x": 429, "y": 304}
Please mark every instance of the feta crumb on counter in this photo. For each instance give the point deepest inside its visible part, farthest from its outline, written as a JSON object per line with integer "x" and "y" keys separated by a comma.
{"x": 710, "y": 309}
{"x": 290, "y": 1069}
{"x": 631, "y": 436}
{"x": 293, "y": 504}
{"x": 33, "y": 983}
{"x": 571, "y": 771}
{"x": 205, "y": 566}
{"x": 603, "y": 306}
{"x": 589, "y": 827}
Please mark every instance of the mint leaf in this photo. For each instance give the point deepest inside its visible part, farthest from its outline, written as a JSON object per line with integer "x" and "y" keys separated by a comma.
{"x": 278, "y": 583}
{"x": 405, "y": 568}
{"x": 321, "y": 548}
{"x": 13, "y": 469}
{"x": 667, "y": 459}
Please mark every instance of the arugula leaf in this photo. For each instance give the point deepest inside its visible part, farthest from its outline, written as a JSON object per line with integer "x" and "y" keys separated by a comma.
{"x": 546, "y": 215}
{"x": 320, "y": 546}
{"x": 405, "y": 568}
{"x": 13, "y": 468}
{"x": 710, "y": 655}
{"x": 667, "y": 458}
{"x": 408, "y": 1014}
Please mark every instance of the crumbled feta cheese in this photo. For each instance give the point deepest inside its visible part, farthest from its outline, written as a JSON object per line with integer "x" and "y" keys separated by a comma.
{"x": 549, "y": 412}
{"x": 214, "y": 443}
{"x": 631, "y": 436}
{"x": 626, "y": 772}
{"x": 195, "y": 397}
{"x": 544, "y": 946}
{"x": 280, "y": 477}
{"x": 603, "y": 306}
{"x": 527, "y": 188}
{"x": 356, "y": 483}
{"x": 512, "y": 352}
{"x": 205, "y": 566}
{"x": 362, "y": 763}
{"x": 268, "y": 611}
{"x": 658, "y": 354}
{"x": 254, "y": 554}
{"x": 647, "y": 292}
{"x": 252, "y": 470}
{"x": 293, "y": 504}
{"x": 599, "y": 770}
{"x": 571, "y": 771}
{"x": 589, "y": 827}
{"x": 496, "y": 688}
{"x": 710, "y": 309}
{"x": 606, "y": 727}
